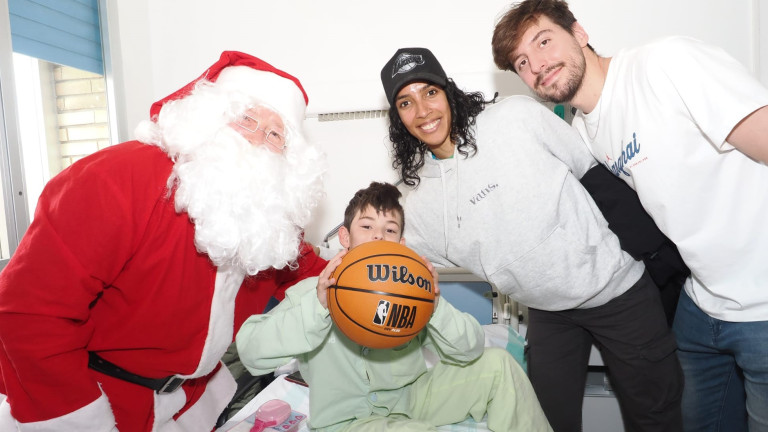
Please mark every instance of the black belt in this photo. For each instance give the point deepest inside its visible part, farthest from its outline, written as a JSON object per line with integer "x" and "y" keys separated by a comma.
{"x": 159, "y": 385}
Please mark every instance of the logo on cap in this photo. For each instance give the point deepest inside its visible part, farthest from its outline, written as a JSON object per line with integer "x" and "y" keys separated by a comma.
{"x": 406, "y": 62}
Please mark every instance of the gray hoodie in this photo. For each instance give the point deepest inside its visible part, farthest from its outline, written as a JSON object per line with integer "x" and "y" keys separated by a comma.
{"x": 516, "y": 215}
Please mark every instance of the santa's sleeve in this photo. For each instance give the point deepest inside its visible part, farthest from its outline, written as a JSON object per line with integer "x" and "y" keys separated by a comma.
{"x": 310, "y": 264}
{"x": 268, "y": 287}
{"x": 85, "y": 226}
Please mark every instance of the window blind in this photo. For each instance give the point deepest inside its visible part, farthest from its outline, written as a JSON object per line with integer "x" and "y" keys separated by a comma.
{"x": 66, "y": 32}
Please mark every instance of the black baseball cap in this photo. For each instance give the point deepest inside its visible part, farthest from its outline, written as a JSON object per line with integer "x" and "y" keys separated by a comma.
{"x": 409, "y": 65}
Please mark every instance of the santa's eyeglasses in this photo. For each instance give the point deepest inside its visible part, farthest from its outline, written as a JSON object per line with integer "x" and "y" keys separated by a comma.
{"x": 272, "y": 137}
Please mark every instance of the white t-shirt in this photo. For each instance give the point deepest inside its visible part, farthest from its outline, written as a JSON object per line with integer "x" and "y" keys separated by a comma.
{"x": 660, "y": 125}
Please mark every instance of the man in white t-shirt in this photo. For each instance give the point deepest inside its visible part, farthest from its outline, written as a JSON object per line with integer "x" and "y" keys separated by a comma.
{"x": 686, "y": 126}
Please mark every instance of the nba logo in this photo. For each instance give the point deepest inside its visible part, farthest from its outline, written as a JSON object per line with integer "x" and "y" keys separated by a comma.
{"x": 381, "y": 312}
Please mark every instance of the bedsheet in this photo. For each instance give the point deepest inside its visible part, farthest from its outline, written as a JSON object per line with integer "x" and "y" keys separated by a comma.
{"x": 496, "y": 335}
{"x": 298, "y": 397}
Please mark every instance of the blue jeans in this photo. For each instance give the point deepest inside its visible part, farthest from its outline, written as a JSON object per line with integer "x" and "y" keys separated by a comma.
{"x": 726, "y": 371}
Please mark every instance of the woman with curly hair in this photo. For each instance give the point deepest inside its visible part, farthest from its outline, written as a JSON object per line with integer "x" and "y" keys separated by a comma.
{"x": 410, "y": 151}
{"x": 494, "y": 188}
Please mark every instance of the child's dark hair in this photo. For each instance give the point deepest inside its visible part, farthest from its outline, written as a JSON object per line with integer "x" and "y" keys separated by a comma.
{"x": 384, "y": 197}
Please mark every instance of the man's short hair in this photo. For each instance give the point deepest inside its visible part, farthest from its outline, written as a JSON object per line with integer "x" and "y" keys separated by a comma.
{"x": 516, "y": 21}
{"x": 384, "y": 197}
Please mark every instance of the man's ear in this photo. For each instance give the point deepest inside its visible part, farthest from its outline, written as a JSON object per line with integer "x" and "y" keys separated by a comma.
{"x": 344, "y": 237}
{"x": 580, "y": 34}
{"x": 402, "y": 241}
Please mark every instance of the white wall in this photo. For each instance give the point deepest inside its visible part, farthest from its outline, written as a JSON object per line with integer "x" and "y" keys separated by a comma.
{"x": 337, "y": 48}
{"x": 727, "y": 23}
{"x": 761, "y": 35}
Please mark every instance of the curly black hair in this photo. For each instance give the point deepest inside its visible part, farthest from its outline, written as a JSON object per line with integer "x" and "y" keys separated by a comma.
{"x": 409, "y": 151}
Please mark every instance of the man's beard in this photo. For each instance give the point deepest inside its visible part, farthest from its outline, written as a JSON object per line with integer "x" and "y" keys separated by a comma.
{"x": 249, "y": 205}
{"x": 575, "y": 68}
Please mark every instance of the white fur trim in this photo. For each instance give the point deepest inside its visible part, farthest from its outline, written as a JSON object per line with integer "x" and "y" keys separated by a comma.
{"x": 271, "y": 89}
{"x": 221, "y": 387}
{"x": 7, "y": 423}
{"x": 94, "y": 417}
{"x": 221, "y": 321}
{"x": 202, "y": 415}
{"x": 166, "y": 406}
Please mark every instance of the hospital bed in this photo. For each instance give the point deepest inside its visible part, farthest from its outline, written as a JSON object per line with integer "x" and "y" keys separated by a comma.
{"x": 297, "y": 396}
{"x": 499, "y": 317}
{"x": 505, "y": 324}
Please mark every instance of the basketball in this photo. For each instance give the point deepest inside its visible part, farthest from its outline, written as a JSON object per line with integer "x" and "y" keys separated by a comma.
{"x": 383, "y": 295}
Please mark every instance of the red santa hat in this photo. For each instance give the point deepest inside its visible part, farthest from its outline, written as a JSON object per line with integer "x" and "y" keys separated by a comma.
{"x": 236, "y": 71}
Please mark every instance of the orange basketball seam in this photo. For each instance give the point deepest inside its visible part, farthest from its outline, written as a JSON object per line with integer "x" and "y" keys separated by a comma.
{"x": 383, "y": 293}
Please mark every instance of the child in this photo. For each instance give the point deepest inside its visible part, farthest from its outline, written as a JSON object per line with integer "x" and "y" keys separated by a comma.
{"x": 362, "y": 389}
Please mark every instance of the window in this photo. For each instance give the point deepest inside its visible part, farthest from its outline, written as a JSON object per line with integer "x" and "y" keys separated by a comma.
{"x": 55, "y": 110}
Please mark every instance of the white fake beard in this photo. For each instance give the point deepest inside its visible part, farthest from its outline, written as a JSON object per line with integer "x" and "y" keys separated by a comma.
{"x": 249, "y": 205}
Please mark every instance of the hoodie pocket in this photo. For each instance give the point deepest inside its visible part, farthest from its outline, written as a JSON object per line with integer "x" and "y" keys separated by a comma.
{"x": 557, "y": 271}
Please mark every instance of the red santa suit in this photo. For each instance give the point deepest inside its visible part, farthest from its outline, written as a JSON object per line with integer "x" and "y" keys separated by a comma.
{"x": 256, "y": 291}
{"x": 113, "y": 269}
{"x": 109, "y": 266}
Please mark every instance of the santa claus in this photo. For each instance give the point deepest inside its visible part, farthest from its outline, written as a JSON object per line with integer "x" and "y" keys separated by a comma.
{"x": 118, "y": 304}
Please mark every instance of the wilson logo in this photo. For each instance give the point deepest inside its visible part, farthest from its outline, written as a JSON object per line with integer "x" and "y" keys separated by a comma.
{"x": 383, "y": 273}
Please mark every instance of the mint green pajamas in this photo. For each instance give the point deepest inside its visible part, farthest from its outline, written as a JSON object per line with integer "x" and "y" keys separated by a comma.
{"x": 362, "y": 389}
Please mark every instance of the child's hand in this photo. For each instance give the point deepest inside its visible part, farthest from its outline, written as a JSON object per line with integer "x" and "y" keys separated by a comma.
{"x": 325, "y": 280}
{"x": 435, "y": 286}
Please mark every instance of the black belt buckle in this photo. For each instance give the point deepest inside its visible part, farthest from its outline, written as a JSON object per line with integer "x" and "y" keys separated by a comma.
{"x": 171, "y": 383}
